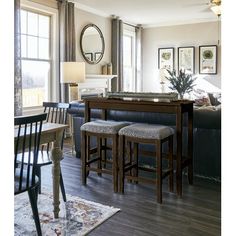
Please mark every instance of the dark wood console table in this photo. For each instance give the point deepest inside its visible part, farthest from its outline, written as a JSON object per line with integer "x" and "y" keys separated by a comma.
{"x": 177, "y": 107}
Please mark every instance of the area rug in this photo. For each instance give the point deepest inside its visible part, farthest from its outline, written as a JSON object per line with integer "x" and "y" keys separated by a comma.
{"x": 77, "y": 216}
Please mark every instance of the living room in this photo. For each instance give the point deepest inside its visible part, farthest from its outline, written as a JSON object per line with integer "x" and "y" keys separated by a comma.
{"x": 175, "y": 34}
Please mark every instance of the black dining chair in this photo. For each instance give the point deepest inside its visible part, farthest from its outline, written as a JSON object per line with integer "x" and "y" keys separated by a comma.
{"x": 27, "y": 141}
{"x": 56, "y": 113}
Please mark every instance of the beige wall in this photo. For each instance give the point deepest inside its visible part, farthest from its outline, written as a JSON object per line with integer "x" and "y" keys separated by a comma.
{"x": 83, "y": 18}
{"x": 179, "y": 36}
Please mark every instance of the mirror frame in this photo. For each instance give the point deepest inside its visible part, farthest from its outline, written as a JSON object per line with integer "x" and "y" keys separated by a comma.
{"x": 102, "y": 39}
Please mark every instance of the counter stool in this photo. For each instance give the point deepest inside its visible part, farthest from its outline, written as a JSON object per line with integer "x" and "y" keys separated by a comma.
{"x": 101, "y": 129}
{"x": 145, "y": 133}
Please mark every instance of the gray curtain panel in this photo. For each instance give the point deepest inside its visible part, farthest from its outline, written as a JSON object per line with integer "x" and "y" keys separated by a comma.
{"x": 67, "y": 40}
{"x": 17, "y": 61}
{"x": 117, "y": 53}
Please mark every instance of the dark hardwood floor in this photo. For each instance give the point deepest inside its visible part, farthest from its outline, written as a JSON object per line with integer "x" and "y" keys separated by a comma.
{"x": 198, "y": 212}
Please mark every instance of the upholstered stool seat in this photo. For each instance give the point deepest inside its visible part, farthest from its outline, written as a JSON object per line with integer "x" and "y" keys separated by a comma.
{"x": 103, "y": 126}
{"x": 102, "y": 130}
{"x": 138, "y": 133}
{"x": 147, "y": 131}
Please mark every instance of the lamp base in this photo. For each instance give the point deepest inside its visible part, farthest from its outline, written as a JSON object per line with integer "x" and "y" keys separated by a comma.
{"x": 69, "y": 92}
{"x": 73, "y": 92}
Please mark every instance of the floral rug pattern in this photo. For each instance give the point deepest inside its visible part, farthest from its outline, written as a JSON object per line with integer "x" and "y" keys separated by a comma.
{"x": 77, "y": 216}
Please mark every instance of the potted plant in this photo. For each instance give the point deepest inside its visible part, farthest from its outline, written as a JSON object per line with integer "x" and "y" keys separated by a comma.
{"x": 182, "y": 83}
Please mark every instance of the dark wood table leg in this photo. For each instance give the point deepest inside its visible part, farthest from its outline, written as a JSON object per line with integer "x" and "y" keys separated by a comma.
{"x": 87, "y": 112}
{"x": 179, "y": 152}
{"x": 190, "y": 145}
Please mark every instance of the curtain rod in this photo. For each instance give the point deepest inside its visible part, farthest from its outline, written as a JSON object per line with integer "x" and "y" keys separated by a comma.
{"x": 135, "y": 26}
{"x": 130, "y": 24}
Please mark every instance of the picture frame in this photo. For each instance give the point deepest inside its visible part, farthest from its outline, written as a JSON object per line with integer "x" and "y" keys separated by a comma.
{"x": 97, "y": 55}
{"x": 208, "y": 59}
{"x": 186, "y": 59}
{"x": 89, "y": 56}
{"x": 166, "y": 58}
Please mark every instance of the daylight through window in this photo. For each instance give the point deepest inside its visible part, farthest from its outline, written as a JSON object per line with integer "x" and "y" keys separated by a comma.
{"x": 35, "y": 57}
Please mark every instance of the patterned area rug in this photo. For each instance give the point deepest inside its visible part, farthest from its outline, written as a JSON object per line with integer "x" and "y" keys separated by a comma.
{"x": 77, "y": 216}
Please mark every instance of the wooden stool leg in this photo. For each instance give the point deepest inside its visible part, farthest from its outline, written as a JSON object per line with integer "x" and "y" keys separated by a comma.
{"x": 135, "y": 169}
{"x": 159, "y": 170}
{"x": 170, "y": 163}
{"x": 83, "y": 156}
{"x": 104, "y": 152}
{"x": 121, "y": 163}
{"x": 129, "y": 155}
{"x": 87, "y": 157}
{"x": 114, "y": 162}
{"x": 190, "y": 147}
{"x": 99, "y": 154}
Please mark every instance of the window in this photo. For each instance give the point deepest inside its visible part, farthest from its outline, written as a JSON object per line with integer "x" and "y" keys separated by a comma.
{"x": 35, "y": 57}
{"x": 129, "y": 83}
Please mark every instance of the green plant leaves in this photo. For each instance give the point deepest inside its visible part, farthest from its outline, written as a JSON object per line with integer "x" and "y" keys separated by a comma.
{"x": 182, "y": 83}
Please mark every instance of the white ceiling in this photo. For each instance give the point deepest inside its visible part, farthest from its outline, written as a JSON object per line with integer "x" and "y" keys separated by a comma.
{"x": 151, "y": 13}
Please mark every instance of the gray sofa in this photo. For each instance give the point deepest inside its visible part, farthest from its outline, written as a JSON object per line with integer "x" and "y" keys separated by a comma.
{"x": 206, "y": 134}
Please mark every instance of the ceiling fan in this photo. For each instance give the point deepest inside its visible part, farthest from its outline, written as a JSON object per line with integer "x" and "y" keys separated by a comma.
{"x": 215, "y": 6}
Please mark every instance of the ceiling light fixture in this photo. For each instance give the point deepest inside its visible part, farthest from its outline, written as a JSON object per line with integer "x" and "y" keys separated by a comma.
{"x": 215, "y": 6}
{"x": 216, "y": 9}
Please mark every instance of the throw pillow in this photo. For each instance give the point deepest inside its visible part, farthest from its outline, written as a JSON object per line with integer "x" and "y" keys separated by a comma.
{"x": 201, "y": 98}
{"x": 214, "y": 98}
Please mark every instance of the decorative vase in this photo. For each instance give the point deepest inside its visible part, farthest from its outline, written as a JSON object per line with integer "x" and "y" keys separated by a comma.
{"x": 104, "y": 70}
{"x": 109, "y": 69}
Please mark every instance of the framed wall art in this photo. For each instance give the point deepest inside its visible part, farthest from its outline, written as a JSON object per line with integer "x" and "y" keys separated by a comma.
{"x": 166, "y": 58}
{"x": 186, "y": 59}
{"x": 208, "y": 59}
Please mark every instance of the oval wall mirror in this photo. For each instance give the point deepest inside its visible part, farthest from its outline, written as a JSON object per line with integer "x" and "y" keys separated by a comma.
{"x": 92, "y": 44}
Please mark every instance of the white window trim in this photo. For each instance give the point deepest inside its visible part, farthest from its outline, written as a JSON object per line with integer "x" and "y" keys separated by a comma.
{"x": 53, "y": 85}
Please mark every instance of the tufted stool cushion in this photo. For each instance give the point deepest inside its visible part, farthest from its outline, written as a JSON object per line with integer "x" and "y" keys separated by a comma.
{"x": 147, "y": 131}
{"x": 103, "y": 126}
{"x": 102, "y": 130}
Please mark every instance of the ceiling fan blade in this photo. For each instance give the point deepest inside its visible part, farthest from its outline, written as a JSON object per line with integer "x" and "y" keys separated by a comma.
{"x": 195, "y": 4}
{"x": 206, "y": 10}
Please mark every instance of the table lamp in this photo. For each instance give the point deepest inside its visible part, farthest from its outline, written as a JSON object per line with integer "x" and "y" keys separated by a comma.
{"x": 72, "y": 73}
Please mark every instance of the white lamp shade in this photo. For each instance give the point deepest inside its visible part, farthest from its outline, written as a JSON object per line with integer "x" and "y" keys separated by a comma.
{"x": 72, "y": 72}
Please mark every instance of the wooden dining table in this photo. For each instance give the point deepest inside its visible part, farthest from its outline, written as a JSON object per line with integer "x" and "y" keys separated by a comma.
{"x": 177, "y": 107}
{"x": 52, "y": 132}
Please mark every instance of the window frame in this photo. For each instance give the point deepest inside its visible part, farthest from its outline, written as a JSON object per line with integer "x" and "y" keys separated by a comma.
{"x": 53, "y": 84}
{"x": 39, "y": 12}
{"x": 130, "y": 31}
